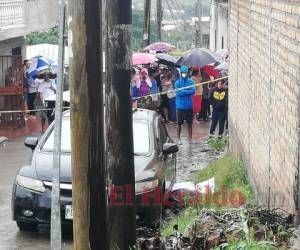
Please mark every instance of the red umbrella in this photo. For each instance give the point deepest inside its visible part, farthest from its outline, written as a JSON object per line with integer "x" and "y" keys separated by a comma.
{"x": 143, "y": 58}
{"x": 211, "y": 71}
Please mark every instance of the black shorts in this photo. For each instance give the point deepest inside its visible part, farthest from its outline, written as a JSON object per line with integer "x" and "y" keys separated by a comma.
{"x": 184, "y": 115}
{"x": 164, "y": 101}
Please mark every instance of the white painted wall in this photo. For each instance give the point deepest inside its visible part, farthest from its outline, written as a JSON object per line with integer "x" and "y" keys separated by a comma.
{"x": 222, "y": 26}
{"x": 40, "y": 14}
{"x": 218, "y": 26}
{"x": 28, "y": 16}
{"x": 212, "y": 32}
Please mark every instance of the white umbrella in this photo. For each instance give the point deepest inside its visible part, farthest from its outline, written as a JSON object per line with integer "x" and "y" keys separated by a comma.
{"x": 222, "y": 53}
{"x": 223, "y": 66}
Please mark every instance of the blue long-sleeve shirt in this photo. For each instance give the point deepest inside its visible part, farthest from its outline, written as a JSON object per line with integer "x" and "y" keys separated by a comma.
{"x": 134, "y": 93}
{"x": 184, "y": 97}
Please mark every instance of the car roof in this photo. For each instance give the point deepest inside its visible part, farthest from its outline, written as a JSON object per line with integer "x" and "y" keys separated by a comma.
{"x": 144, "y": 114}
{"x": 137, "y": 114}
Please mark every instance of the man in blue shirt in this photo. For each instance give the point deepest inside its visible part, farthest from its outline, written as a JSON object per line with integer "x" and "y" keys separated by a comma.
{"x": 184, "y": 103}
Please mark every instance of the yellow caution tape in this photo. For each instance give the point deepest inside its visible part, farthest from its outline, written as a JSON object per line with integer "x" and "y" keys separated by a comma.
{"x": 136, "y": 98}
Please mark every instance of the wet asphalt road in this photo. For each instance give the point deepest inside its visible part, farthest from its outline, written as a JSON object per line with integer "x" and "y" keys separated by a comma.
{"x": 12, "y": 157}
{"x": 190, "y": 159}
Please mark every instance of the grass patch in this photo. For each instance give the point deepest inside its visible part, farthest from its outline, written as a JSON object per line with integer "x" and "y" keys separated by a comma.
{"x": 228, "y": 172}
{"x": 249, "y": 244}
{"x": 217, "y": 143}
{"x": 183, "y": 219}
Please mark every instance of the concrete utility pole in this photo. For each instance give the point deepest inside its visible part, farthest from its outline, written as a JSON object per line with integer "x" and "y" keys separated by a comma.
{"x": 199, "y": 42}
{"x": 159, "y": 16}
{"x": 55, "y": 198}
{"x": 88, "y": 165}
{"x": 119, "y": 134}
{"x": 146, "y": 30}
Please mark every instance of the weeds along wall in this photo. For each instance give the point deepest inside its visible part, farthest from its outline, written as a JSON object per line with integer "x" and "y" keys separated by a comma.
{"x": 264, "y": 92}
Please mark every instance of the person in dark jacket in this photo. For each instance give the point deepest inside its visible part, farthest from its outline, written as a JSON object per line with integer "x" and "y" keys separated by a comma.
{"x": 184, "y": 102}
{"x": 218, "y": 98}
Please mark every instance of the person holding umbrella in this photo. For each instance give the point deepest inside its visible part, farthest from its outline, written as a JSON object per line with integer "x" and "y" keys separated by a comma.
{"x": 197, "y": 97}
{"x": 205, "y": 108}
{"x": 45, "y": 89}
{"x": 184, "y": 103}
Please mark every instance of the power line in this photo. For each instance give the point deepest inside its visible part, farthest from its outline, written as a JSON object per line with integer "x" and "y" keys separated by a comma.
{"x": 178, "y": 11}
{"x": 171, "y": 12}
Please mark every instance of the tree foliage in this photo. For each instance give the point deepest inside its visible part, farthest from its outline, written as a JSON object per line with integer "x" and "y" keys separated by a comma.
{"x": 50, "y": 37}
{"x": 182, "y": 38}
{"x": 137, "y": 30}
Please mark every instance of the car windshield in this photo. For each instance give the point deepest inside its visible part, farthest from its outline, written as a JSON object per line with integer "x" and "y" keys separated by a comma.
{"x": 65, "y": 137}
{"x": 140, "y": 137}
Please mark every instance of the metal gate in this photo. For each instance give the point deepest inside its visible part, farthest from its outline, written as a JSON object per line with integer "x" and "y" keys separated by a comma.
{"x": 11, "y": 92}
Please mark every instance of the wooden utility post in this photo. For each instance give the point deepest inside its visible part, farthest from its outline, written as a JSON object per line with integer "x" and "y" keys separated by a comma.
{"x": 88, "y": 167}
{"x": 159, "y": 15}
{"x": 118, "y": 106}
{"x": 199, "y": 42}
{"x": 146, "y": 30}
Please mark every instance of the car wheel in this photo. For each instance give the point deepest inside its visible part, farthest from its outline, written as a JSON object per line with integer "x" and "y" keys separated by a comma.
{"x": 23, "y": 226}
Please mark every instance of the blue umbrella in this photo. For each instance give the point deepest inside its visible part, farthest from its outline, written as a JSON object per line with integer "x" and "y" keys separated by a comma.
{"x": 40, "y": 65}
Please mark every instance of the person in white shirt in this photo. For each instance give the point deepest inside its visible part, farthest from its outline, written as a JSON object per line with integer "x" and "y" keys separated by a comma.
{"x": 31, "y": 95}
{"x": 45, "y": 89}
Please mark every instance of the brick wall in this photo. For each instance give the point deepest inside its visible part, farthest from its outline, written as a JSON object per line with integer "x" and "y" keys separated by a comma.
{"x": 264, "y": 100}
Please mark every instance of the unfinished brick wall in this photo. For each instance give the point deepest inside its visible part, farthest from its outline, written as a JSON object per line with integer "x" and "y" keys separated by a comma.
{"x": 264, "y": 96}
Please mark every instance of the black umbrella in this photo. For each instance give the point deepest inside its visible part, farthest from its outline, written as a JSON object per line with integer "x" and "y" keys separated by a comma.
{"x": 197, "y": 58}
{"x": 166, "y": 59}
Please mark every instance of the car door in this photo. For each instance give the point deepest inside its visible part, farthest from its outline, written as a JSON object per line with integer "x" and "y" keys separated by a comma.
{"x": 169, "y": 161}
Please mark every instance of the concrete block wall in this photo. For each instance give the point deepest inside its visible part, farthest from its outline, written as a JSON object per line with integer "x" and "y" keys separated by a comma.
{"x": 264, "y": 77}
{"x": 20, "y": 17}
{"x": 40, "y": 15}
{"x": 7, "y": 46}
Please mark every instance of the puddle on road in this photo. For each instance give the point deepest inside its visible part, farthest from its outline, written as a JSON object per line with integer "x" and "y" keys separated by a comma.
{"x": 192, "y": 157}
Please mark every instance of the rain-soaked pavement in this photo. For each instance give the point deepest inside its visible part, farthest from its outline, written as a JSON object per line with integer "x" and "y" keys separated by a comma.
{"x": 191, "y": 158}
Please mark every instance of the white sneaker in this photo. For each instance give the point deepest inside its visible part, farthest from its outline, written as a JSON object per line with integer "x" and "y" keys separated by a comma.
{"x": 192, "y": 141}
{"x": 179, "y": 142}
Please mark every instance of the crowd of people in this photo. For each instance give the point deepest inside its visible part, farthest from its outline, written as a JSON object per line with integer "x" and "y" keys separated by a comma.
{"x": 36, "y": 91}
{"x": 181, "y": 95}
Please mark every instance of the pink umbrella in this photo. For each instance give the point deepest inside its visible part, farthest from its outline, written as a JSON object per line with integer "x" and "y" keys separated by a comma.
{"x": 160, "y": 47}
{"x": 143, "y": 58}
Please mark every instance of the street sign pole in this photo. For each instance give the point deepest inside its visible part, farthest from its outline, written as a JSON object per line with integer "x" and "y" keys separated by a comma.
{"x": 55, "y": 196}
